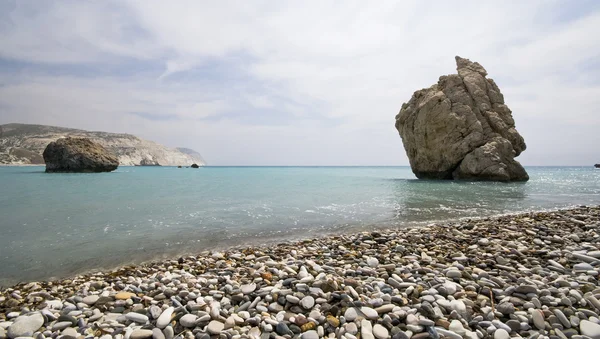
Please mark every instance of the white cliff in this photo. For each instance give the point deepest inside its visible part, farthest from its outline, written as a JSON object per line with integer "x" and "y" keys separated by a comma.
{"x": 22, "y": 144}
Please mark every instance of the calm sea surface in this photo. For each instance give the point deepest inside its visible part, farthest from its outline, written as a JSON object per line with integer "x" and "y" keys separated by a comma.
{"x": 55, "y": 225}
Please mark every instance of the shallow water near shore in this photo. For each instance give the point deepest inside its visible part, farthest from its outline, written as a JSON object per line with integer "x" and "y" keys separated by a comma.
{"x": 55, "y": 225}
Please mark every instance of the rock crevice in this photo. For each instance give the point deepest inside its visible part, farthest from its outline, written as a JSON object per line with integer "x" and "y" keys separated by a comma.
{"x": 460, "y": 128}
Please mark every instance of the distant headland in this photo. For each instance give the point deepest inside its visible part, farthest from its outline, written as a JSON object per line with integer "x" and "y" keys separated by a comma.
{"x": 23, "y": 144}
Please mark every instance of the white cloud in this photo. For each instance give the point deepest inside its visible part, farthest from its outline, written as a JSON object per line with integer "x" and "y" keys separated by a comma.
{"x": 338, "y": 71}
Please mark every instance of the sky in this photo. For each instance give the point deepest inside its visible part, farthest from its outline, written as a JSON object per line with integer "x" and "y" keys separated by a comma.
{"x": 297, "y": 82}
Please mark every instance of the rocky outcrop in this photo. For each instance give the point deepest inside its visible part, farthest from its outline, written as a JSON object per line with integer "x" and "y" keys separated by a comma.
{"x": 78, "y": 155}
{"x": 22, "y": 144}
{"x": 460, "y": 128}
{"x": 195, "y": 166}
{"x": 148, "y": 162}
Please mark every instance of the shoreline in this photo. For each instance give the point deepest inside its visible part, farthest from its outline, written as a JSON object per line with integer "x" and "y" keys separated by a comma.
{"x": 529, "y": 274}
{"x": 268, "y": 242}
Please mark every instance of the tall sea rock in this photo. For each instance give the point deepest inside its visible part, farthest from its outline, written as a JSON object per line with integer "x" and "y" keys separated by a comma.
{"x": 460, "y": 128}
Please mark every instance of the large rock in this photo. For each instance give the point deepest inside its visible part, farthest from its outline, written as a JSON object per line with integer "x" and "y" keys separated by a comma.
{"x": 78, "y": 155}
{"x": 460, "y": 128}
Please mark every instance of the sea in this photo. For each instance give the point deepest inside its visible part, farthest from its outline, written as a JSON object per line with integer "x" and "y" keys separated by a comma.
{"x": 60, "y": 225}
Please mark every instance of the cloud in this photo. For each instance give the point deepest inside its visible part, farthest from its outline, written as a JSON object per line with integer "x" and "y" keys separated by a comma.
{"x": 295, "y": 83}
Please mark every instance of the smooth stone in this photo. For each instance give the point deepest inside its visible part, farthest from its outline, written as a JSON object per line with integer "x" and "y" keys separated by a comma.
{"x": 562, "y": 318}
{"x": 372, "y": 262}
{"x": 140, "y": 334}
{"x": 169, "y": 332}
{"x": 583, "y": 267}
{"x": 215, "y": 327}
{"x": 312, "y": 334}
{"x": 350, "y": 314}
{"x": 447, "y": 334}
{"x": 366, "y": 329}
{"x": 369, "y": 313}
{"x": 70, "y": 332}
{"x": 307, "y": 302}
{"x": 589, "y": 329}
{"x": 506, "y": 308}
{"x": 351, "y": 328}
{"x": 188, "y": 320}
{"x": 61, "y": 325}
{"x": 137, "y": 317}
{"x": 155, "y": 311}
{"x": 380, "y": 332}
{"x": 165, "y": 318}
{"x": 124, "y": 295}
{"x": 157, "y": 334}
{"x": 453, "y": 274}
{"x": 387, "y": 308}
{"x": 283, "y": 329}
{"x": 292, "y": 299}
{"x": 25, "y": 325}
{"x": 248, "y": 288}
{"x": 91, "y": 299}
{"x": 538, "y": 319}
{"x": 457, "y": 327}
{"x": 501, "y": 334}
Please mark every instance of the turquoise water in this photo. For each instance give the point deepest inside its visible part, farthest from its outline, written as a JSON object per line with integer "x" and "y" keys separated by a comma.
{"x": 55, "y": 225}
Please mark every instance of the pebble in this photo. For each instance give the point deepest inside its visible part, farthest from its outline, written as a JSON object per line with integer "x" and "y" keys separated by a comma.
{"x": 188, "y": 320}
{"x": 165, "y": 318}
{"x": 91, "y": 299}
{"x": 538, "y": 319}
{"x": 25, "y": 325}
{"x": 372, "y": 262}
{"x": 124, "y": 295}
{"x": 350, "y": 314}
{"x": 312, "y": 334}
{"x": 215, "y": 327}
{"x": 380, "y": 332}
{"x": 141, "y": 334}
{"x": 589, "y": 329}
{"x": 308, "y": 302}
{"x": 137, "y": 317}
{"x": 369, "y": 313}
{"x": 501, "y": 334}
{"x": 249, "y": 288}
{"x": 157, "y": 334}
{"x": 366, "y": 329}
{"x": 432, "y": 281}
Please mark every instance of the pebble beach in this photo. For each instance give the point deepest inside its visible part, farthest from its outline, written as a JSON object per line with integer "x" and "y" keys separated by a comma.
{"x": 532, "y": 275}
